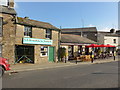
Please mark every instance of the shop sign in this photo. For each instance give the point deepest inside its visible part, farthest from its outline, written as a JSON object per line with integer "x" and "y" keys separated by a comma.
{"x": 37, "y": 41}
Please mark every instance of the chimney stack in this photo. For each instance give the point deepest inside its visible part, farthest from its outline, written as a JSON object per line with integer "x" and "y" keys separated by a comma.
{"x": 11, "y": 3}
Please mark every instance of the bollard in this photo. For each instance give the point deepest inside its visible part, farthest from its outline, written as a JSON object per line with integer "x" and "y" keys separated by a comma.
{"x": 76, "y": 61}
{"x": 65, "y": 60}
{"x": 114, "y": 58}
{"x": 92, "y": 60}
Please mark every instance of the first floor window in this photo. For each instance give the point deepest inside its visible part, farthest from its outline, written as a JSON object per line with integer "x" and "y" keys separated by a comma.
{"x": 27, "y": 31}
{"x": 114, "y": 40}
{"x": 44, "y": 51}
{"x": 0, "y": 50}
{"x": 48, "y": 34}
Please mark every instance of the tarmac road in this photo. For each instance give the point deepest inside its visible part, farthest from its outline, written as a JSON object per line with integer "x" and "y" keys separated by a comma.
{"x": 104, "y": 75}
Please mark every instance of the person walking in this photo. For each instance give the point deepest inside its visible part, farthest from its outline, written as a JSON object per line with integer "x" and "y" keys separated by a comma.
{"x": 92, "y": 56}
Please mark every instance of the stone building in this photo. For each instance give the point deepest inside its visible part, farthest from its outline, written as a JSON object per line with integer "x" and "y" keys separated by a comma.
{"x": 75, "y": 45}
{"x": 87, "y": 32}
{"x": 110, "y": 37}
{"x": 26, "y": 40}
{"x": 7, "y": 31}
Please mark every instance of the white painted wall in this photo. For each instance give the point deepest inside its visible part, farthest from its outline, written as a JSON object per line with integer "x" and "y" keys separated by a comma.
{"x": 110, "y": 40}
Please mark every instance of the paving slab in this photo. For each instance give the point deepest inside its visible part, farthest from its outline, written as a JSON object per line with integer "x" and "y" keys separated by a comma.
{"x": 28, "y": 67}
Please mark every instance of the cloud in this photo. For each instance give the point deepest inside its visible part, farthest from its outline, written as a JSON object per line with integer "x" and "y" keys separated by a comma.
{"x": 16, "y": 5}
{"x": 90, "y": 25}
{"x": 107, "y": 29}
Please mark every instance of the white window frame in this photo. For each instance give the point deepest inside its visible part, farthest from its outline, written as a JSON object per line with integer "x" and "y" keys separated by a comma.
{"x": 44, "y": 51}
{"x": 27, "y": 29}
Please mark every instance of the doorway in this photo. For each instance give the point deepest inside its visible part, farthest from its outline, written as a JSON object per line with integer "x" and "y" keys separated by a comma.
{"x": 51, "y": 54}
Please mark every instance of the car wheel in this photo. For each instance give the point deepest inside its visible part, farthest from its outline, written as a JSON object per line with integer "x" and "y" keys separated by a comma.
{"x": 1, "y": 71}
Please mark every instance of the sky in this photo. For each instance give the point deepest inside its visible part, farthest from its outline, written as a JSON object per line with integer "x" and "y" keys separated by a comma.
{"x": 102, "y": 15}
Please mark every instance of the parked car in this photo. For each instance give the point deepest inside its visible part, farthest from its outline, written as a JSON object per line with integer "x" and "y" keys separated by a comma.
{"x": 4, "y": 65}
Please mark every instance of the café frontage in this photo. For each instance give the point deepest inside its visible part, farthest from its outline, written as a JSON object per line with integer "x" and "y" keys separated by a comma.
{"x": 75, "y": 45}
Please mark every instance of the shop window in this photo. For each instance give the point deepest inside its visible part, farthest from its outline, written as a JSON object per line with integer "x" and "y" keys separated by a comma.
{"x": 27, "y": 31}
{"x": 48, "y": 34}
{"x": 44, "y": 51}
{"x": 114, "y": 40}
{"x": 85, "y": 35}
{"x": 1, "y": 25}
{"x": 0, "y": 50}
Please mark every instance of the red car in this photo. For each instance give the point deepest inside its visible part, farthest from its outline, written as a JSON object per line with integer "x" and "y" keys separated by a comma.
{"x": 4, "y": 65}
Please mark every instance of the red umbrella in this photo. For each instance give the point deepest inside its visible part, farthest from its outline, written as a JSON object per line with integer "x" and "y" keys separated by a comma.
{"x": 102, "y": 45}
{"x": 93, "y": 45}
{"x": 108, "y": 45}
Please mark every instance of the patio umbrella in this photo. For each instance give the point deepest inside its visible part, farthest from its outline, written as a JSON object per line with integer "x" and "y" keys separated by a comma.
{"x": 108, "y": 45}
{"x": 102, "y": 45}
{"x": 93, "y": 45}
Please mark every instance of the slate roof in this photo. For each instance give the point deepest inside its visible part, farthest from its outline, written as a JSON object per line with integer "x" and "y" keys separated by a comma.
{"x": 7, "y": 10}
{"x": 108, "y": 34}
{"x": 70, "y": 38}
{"x": 85, "y": 29}
{"x": 35, "y": 23}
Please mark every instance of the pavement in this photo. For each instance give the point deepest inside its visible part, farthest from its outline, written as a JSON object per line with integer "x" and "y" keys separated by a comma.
{"x": 27, "y": 67}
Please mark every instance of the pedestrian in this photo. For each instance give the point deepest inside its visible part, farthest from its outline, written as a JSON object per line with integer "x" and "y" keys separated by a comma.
{"x": 92, "y": 56}
{"x": 114, "y": 54}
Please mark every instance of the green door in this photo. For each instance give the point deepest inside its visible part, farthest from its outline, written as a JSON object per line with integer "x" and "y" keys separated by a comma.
{"x": 51, "y": 54}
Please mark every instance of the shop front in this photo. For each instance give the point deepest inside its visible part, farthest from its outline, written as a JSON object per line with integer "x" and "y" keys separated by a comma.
{"x": 75, "y": 45}
{"x": 34, "y": 50}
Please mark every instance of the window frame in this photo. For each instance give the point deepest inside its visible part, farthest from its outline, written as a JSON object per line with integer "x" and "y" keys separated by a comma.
{"x": 44, "y": 51}
{"x": 1, "y": 27}
{"x": 28, "y": 31}
{"x": 48, "y": 34}
{"x": 114, "y": 41}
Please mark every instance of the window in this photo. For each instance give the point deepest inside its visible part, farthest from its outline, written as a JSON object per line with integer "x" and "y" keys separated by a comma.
{"x": 0, "y": 50}
{"x": 114, "y": 40}
{"x": 1, "y": 26}
{"x": 44, "y": 51}
{"x": 27, "y": 31}
{"x": 48, "y": 34}
{"x": 85, "y": 35}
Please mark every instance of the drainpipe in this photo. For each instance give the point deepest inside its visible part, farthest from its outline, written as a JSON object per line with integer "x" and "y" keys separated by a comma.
{"x": 59, "y": 32}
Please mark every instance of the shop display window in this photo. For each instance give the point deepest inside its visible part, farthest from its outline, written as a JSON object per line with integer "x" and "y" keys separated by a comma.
{"x": 44, "y": 51}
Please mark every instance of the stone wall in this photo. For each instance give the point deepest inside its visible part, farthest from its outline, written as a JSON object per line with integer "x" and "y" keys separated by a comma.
{"x": 8, "y": 38}
{"x": 38, "y": 33}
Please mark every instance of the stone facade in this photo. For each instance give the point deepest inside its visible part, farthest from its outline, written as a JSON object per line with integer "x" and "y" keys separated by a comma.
{"x": 8, "y": 37}
{"x": 38, "y": 33}
{"x": 13, "y": 34}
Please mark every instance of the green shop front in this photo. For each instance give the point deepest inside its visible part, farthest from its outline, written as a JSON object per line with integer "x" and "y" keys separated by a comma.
{"x": 35, "y": 50}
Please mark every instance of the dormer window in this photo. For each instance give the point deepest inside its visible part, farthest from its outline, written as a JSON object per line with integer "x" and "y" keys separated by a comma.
{"x": 27, "y": 31}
